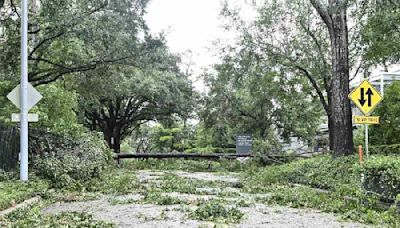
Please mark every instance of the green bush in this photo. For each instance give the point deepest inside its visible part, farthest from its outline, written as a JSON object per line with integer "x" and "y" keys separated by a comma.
{"x": 33, "y": 217}
{"x": 68, "y": 166}
{"x": 13, "y": 191}
{"x": 382, "y": 176}
{"x": 114, "y": 181}
{"x": 340, "y": 181}
{"x": 190, "y": 165}
{"x": 385, "y": 149}
{"x": 321, "y": 172}
{"x": 215, "y": 210}
{"x": 387, "y": 132}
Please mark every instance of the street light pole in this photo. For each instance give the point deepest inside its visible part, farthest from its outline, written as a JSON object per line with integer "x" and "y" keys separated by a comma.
{"x": 24, "y": 92}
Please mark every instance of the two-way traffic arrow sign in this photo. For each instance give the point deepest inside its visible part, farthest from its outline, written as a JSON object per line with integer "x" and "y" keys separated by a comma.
{"x": 366, "y": 97}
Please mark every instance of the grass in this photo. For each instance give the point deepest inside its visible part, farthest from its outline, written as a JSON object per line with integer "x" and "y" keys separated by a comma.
{"x": 339, "y": 180}
{"x": 216, "y": 211}
{"x": 115, "y": 181}
{"x": 33, "y": 217}
{"x": 13, "y": 191}
{"x": 174, "y": 183}
{"x": 322, "y": 172}
{"x": 222, "y": 165}
{"x": 158, "y": 198}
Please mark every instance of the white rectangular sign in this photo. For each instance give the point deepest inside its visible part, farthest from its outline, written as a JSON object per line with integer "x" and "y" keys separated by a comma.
{"x": 15, "y": 117}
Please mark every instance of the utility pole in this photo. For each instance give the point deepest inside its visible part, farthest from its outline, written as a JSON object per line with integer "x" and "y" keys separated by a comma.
{"x": 24, "y": 92}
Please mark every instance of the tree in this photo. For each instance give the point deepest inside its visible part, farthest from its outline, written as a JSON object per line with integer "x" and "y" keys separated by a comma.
{"x": 334, "y": 15}
{"x": 247, "y": 96}
{"x": 309, "y": 38}
{"x": 381, "y": 33}
{"x": 70, "y": 37}
{"x": 119, "y": 98}
{"x": 388, "y": 131}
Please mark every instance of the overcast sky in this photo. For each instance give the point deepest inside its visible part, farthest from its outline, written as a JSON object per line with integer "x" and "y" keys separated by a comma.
{"x": 190, "y": 25}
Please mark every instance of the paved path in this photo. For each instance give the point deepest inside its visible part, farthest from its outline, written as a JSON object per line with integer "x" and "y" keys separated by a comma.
{"x": 139, "y": 214}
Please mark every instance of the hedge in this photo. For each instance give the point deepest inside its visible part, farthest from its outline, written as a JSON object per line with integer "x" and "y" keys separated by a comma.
{"x": 382, "y": 176}
{"x": 385, "y": 149}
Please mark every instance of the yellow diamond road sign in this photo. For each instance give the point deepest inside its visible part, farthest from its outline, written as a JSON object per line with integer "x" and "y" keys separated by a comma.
{"x": 366, "y": 97}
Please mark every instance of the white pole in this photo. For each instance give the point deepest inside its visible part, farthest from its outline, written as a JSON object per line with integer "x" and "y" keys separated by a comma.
{"x": 366, "y": 140}
{"x": 24, "y": 92}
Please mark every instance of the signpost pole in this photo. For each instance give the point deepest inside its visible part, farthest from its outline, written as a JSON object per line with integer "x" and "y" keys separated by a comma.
{"x": 366, "y": 140}
{"x": 24, "y": 92}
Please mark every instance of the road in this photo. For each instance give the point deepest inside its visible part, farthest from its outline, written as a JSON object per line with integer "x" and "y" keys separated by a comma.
{"x": 133, "y": 210}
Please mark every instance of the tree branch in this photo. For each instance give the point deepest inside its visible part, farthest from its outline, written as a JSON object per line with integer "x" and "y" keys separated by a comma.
{"x": 316, "y": 87}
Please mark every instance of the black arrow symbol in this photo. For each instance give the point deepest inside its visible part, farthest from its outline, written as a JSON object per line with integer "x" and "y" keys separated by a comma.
{"x": 362, "y": 100}
{"x": 369, "y": 93}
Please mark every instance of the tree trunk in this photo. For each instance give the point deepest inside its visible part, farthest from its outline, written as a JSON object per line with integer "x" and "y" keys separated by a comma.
{"x": 340, "y": 121}
{"x": 112, "y": 135}
{"x": 339, "y": 113}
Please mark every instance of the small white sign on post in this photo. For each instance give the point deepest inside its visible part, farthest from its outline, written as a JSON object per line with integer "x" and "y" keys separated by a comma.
{"x": 15, "y": 117}
{"x": 33, "y": 96}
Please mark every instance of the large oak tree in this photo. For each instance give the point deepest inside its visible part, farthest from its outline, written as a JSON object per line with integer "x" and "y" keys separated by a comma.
{"x": 118, "y": 99}
{"x": 310, "y": 38}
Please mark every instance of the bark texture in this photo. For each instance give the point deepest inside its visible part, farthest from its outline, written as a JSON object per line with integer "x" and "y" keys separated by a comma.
{"x": 339, "y": 114}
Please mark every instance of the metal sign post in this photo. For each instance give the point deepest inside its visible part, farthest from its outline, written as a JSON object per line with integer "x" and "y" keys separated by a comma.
{"x": 366, "y": 98}
{"x": 24, "y": 92}
{"x": 366, "y": 140}
{"x": 19, "y": 95}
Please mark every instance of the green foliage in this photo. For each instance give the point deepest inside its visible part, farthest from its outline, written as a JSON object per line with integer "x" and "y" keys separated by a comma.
{"x": 174, "y": 139}
{"x": 190, "y": 165}
{"x": 393, "y": 149}
{"x": 354, "y": 209}
{"x": 381, "y": 33}
{"x": 33, "y": 217}
{"x": 69, "y": 167}
{"x": 388, "y": 131}
{"x": 174, "y": 183}
{"x": 158, "y": 198}
{"x": 321, "y": 172}
{"x": 382, "y": 176}
{"x": 330, "y": 185}
{"x": 114, "y": 181}
{"x": 70, "y": 38}
{"x": 216, "y": 210}
{"x": 213, "y": 139}
{"x": 261, "y": 87}
{"x": 13, "y": 191}
{"x": 57, "y": 110}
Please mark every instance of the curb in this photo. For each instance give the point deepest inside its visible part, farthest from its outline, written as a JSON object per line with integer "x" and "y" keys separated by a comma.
{"x": 24, "y": 204}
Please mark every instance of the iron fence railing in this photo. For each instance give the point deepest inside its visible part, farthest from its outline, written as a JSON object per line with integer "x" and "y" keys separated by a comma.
{"x": 9, "y": 147}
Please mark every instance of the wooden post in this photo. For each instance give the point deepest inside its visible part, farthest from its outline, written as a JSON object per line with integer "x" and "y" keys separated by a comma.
{"x": 360, "y": 154}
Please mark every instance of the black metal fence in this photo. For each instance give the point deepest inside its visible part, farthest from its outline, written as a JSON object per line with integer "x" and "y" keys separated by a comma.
{"x": 9, "y": 147}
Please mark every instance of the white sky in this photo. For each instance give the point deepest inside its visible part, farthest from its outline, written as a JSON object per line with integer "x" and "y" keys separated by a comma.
{"x": 191, "y": 25}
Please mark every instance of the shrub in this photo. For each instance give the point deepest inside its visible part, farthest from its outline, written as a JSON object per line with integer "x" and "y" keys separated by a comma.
{"x": 110, "y": 182}
{"x": 321, "y": 172}
{"x": 385, "y": 149}
{"x": 382, "y": 176}
{"x": 68, "y": 165}
{"x": 387, "y": 132}
{"x": 33, "y": 217}
{"x": 13, "y": 191}
{"x": 215, "y": 210}
{"x": 160, "y": 199}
